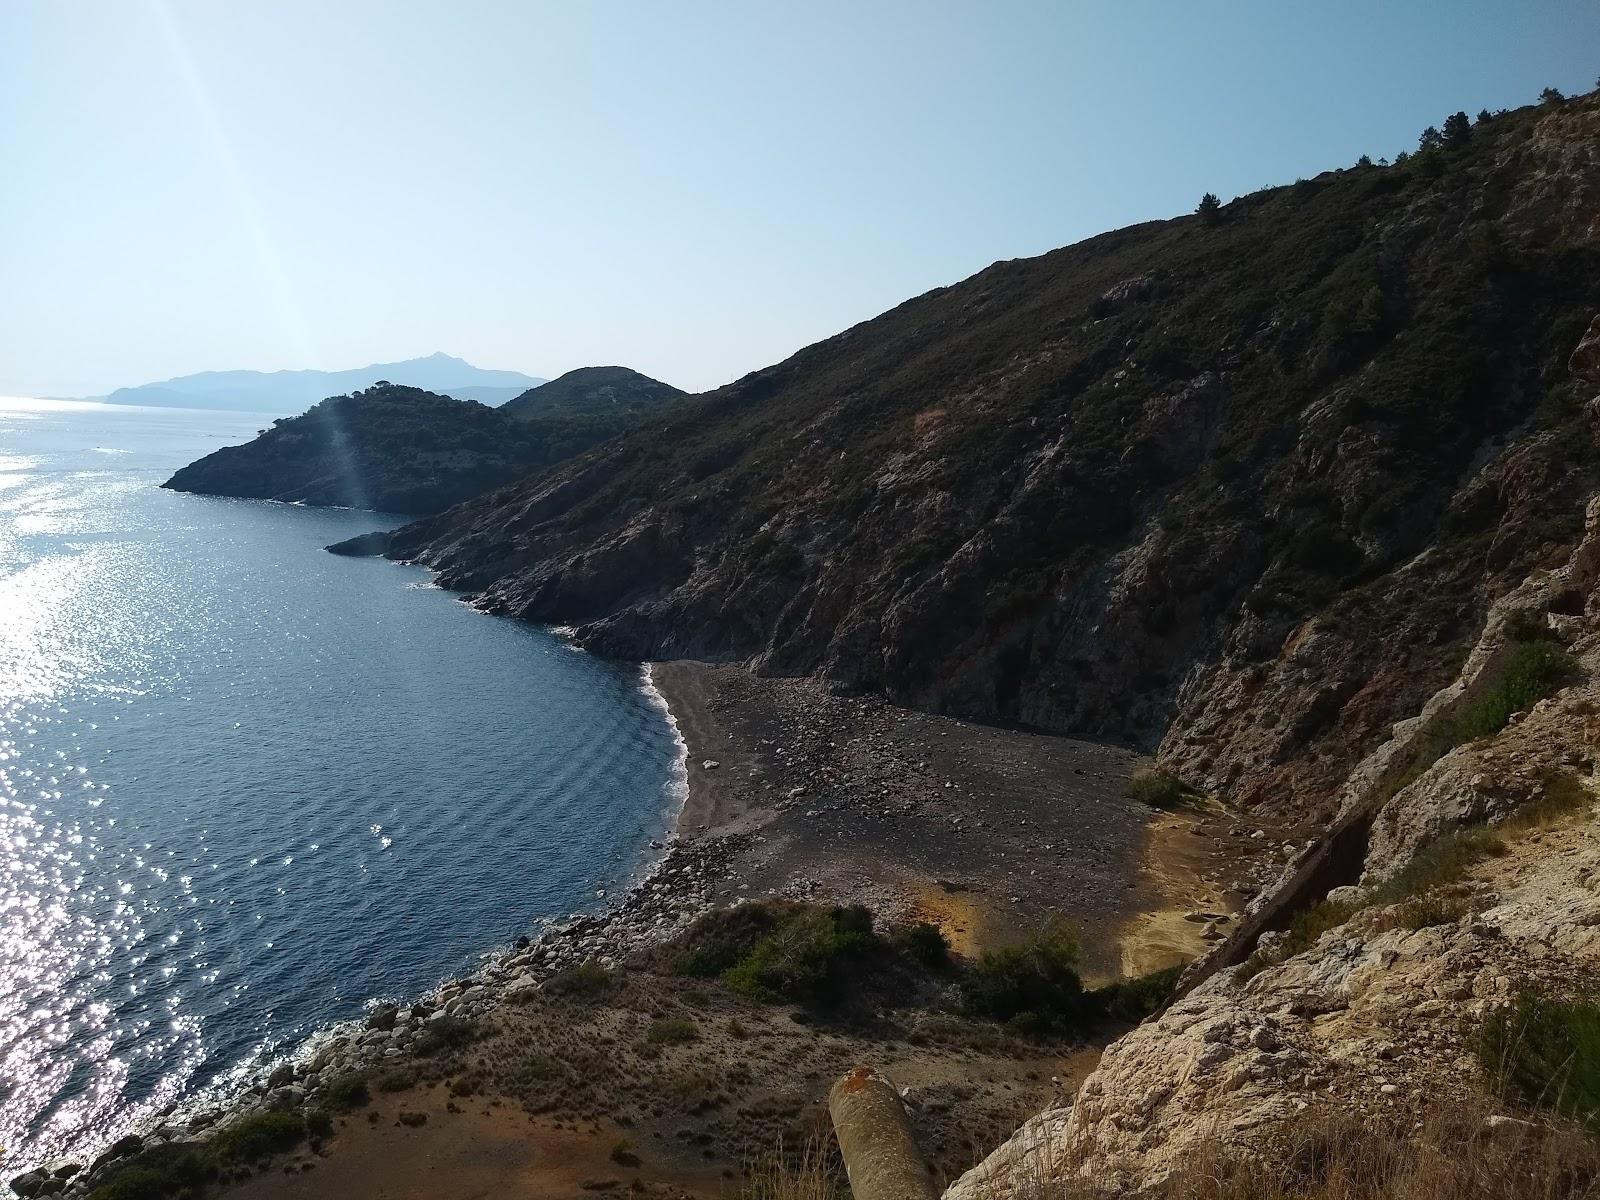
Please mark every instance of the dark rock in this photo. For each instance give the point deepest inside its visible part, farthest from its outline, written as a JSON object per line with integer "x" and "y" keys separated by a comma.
{"x": 128, "y": 1144}
{"x": 363, "y": 545}
{"x": 383, "y": 1017}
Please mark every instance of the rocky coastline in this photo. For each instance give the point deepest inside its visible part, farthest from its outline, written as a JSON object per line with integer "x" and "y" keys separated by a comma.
{"x": 776, "y": 799}
{"x": 670, "y": 893}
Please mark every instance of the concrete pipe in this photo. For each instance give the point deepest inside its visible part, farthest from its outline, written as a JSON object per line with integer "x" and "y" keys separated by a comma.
{"x": 880, "y": 1155}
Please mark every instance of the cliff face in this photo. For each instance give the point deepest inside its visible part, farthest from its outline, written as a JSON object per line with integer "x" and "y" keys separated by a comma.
{"x": 401, "y": 449}
{"x": 1479, "y": 888}
{"x": 1240, "y": 489}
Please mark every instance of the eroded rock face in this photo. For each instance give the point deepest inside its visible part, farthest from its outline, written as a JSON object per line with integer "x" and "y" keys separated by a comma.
{"x": 1373, "y": 1019}
{"x": 1124, "y": 490}
{"x": 1585, "y": 360}
{"x": 1381, "y": 1014}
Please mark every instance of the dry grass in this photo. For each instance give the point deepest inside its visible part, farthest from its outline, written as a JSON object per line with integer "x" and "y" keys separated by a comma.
{"x": 1456, "y": 1153}
{"x": 1452, "y": 1157}
{"x": 814, "y": 1173}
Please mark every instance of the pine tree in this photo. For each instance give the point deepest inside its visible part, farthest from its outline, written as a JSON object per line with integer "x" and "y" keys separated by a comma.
{"x": 1209, "y": 207}
{"x": 1457, "y": 131}
{"x": 1551, "y": 96}
{"x": 1484, "y": 116}
{"x": 1431, "y": 139}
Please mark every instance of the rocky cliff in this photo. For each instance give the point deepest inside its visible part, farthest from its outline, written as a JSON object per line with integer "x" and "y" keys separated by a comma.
{"x": 1240, "y": 488}
{"x": 401, "y": 449}
{"x": 1447, "y": 977}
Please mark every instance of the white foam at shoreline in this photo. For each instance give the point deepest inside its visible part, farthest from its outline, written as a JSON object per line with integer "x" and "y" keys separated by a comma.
{"x": 677, "y": 786}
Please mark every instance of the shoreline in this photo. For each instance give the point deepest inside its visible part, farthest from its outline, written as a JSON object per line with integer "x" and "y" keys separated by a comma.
{"x": 788, "y": 792}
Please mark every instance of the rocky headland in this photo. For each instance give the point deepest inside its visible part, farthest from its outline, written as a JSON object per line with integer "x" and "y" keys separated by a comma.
{"x": 401, "y": 449}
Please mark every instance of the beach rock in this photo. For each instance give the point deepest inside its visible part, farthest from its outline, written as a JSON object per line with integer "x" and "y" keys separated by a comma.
{"x": 281, "y": 1076}
{"x": 286, "y": 1098}
{"x": 29, "y": 1183}
{"x": 64, "y": 1168}
{"x": 128, "y": 1144}
{"x": 383, "y": 1017}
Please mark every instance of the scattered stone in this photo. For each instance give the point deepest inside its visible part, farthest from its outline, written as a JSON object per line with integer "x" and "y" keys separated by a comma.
{"x": 383, "y": 1017}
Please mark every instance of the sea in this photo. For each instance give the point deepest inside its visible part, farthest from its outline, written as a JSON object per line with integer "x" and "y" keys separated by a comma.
{"x": 248, "y": 787}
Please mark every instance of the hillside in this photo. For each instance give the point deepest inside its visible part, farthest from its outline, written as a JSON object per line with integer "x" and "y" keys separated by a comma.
{"x": 1239, "y": 487}
{"x": 593, "y": 391}
{"x": 291, "y": 391}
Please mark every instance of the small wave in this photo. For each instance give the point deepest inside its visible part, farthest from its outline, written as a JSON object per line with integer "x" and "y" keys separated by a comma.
{"x": 567, "y": 635}
{"x": 677, "y": 785}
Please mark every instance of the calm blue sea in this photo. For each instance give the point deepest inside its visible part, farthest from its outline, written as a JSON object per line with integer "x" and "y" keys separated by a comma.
{"x": 246, "y": 785}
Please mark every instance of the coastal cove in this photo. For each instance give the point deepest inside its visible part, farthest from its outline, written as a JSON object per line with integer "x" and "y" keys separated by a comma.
{"x": 246, "y": 787}
{"x": 793, "y": 794}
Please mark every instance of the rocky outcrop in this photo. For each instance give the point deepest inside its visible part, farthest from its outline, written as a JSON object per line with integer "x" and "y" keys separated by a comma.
{"x": 400, "y": 449}
{"x": 1241, "y": 491}
{"x": 1379, "y": 1016}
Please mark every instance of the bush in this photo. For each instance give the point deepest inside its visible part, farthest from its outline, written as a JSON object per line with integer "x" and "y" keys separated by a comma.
{"x": 807, "y": 958}
{"x": 622, "y": 1153}
{"x": 925, "y": 944}
{"x": 1428, "y": 912}
{"x": 1302, "y": 934}
{"x": 1533, "y": 667}
{"x": 156, "y": 1173}
{"x": 318, "y": 1123}
{"x": 348, "y": 1091}
{"x": 1546, "y": 1053}
{"x": 1135, "y": 999}
{"x": 1560, "y": 793}
{"x": 718, "y": 940}
{"x": 444, "y": 1033}
{"x": 671, "y": 1031}
{"x": 259, "y": 1136}
{"x": 1157, "y": 787}
{"x": 586, "y": 980}
{"x": 1433, "y": 1151}
{"x": 1445, "y": 861}
{"x": 1034, "y": 987}
{"x": 396, "y": 1079}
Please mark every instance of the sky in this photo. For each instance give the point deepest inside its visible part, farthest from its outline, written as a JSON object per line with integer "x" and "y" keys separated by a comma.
{"x": 691, "y": 189}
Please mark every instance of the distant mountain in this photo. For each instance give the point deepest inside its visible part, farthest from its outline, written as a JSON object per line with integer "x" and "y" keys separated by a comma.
{"x": 403, "y": 449}
{"x": 291, "y": 391}
{"x": 594, "y": 391}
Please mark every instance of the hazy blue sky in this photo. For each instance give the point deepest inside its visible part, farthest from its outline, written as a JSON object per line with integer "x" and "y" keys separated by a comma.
{"x": 692, "y": 189}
